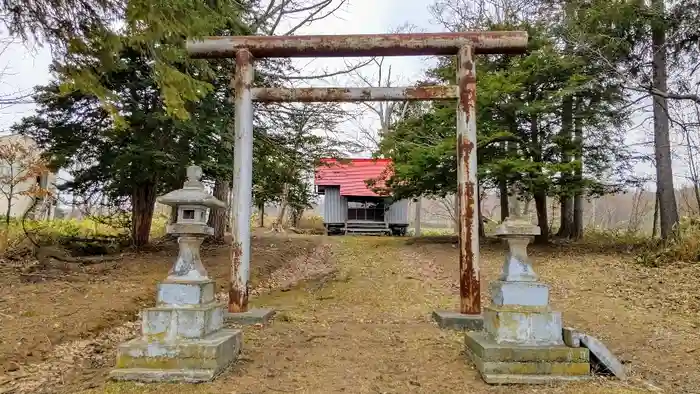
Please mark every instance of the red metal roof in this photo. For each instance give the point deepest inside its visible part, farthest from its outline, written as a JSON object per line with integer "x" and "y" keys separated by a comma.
{"x": 351, "y": 177}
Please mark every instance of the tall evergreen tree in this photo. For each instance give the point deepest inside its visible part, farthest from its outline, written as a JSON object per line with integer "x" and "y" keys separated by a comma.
{"x": 157, "y": 27}
{"x": 132, "y": 164}
{"x": 519, "y": 100}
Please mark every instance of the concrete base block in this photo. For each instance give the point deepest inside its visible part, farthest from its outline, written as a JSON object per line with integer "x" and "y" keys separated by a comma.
{"x": 523, "y": 325}
{"x": 519, "y": 293}
{"x": 513, "y": 364}
{"x": 458, "y": 321}
{"x": 251, "y": 317}
{"x": 173, "y": 292}
{"x": 530, "y": 379}
{"x": 169, "y": 323}
{"x": 198, "y": 360}
{"x": 163, "y": 376}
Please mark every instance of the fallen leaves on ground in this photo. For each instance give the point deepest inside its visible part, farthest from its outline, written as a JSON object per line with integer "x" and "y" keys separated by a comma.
{"x": 103, "y": 310}
{"x": 366, "y": 328}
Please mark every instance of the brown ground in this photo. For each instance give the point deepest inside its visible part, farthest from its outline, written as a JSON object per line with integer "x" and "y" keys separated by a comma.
{"x": 367, "y": 330}
{"x": 35, "y": 317}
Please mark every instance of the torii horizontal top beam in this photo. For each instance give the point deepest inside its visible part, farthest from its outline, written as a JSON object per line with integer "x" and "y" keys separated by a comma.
{"x": 410, "y": 44}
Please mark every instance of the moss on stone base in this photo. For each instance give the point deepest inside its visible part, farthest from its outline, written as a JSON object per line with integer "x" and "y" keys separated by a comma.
{"x": 500, "y": 363}
{"x": 204, "y": 357}
{"x": 480, "y": 344}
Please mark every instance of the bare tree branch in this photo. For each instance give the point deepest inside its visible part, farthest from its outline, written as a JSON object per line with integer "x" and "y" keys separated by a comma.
{"x": 276, "y": 12}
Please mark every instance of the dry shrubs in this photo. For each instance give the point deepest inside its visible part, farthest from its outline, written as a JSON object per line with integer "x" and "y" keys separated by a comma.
{"x": 314, "y": 223}
{"x": 653, "y": 252}
{"x": 684, "y": 247}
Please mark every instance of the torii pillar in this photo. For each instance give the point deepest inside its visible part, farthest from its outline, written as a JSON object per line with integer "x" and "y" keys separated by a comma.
{"x": 463, "y": 44}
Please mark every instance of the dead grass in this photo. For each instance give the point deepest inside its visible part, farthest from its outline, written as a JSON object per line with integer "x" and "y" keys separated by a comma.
{"x": 647, "y": 316}
{"x": 367, "y": 328}
{"x": 36, "y": 317}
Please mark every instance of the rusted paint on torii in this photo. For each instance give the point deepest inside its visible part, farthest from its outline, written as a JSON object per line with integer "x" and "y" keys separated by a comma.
{"x": 464, "y": 44}
{"x": 467, "y": 185}
{"x": 409, "y": 44}
{"x": 307, "y": 95}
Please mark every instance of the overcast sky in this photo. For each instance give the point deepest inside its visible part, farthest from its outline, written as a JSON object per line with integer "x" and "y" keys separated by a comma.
{"x": 25, "y": 67}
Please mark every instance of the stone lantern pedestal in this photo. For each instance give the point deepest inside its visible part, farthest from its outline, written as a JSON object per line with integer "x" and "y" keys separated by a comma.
{"x": 522, "y": 339}
{"x": 182, "y": 337}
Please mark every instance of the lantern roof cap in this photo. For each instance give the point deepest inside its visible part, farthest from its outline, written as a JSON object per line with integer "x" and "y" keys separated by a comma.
{"x": 192, "y": 192}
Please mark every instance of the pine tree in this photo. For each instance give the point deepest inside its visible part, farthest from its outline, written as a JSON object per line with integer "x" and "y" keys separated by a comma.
{"x": 130, "y": 165}
{"x": 519, "y": 100}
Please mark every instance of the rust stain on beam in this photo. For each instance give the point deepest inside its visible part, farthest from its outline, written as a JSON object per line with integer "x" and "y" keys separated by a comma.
{"x": 467, "y": 186}
{"x": 306, "y": 95}
{"x": 410, "y": 44}
{"x": 242, "y": 184}
{"x": 238, "y": 291}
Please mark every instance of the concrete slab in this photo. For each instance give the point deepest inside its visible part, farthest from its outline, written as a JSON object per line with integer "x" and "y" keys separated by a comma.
{"x": 182, "y": 322}
{"x": 530, "y": 379}
{"x": 482, "y": 345}
{"x": 601, "y": 355}
{"x": 163, "y": 376}
{"x": 572, "y": 338}
{"x": 198, "y": 360}
{"x": 251, "y": 317}
{"x": 515, "y": 364}
{"x": 458, "y": 321}
{"x": 519, "y": 293}
{"x": 172, "y": 292}
{"x": 523, "y": 325}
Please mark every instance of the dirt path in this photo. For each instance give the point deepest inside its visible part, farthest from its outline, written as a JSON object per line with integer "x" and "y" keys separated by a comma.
{"x": 367, "y": 330}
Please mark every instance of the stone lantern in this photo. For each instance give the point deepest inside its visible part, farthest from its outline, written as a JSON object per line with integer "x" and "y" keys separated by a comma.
{"x": 522, "y": 341}
{"x": 182, "y": 336}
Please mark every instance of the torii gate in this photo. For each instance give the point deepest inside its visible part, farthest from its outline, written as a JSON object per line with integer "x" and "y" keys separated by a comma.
{"x": 465, "y": 45}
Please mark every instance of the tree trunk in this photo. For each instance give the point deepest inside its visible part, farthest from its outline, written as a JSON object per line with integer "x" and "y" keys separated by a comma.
{"x": 566, "y": 202}
{"x": 541, "y": 207}
{"x": 173, "y": 214}
{"x": 217, "y": 217}
{"x": 539, "y": 194}
{"x": 456, "y": 213}
{"x": 693, "y": 169}
{"x": 278, "y": 226}
{"x": 551, "y": 211}
{"x": 143, "y": 199}
{"x": 416, "y": 220}
{"x": 566, "y": 219}
{"x": 174, "y": 209}
{"x": 577, "y": 228}
{"x": 668, "y": 209}
{"x": 261, "y": 212}
{"x": 8, "y": 211}
{"x": 578, "y": 177}
{"x": 480, "y": 216}
{"x": 503, "y": 192}
{"x": 296, "y": 213}
{"x": 693, "y": 163}
{"x": 655, "y": 224}
{"x": 5, "y": 232}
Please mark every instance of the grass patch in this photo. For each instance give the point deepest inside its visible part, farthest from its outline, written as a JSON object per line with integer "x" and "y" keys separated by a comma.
{"x": 311, "y": 222}
{"x": 684, "y": 247}
{"x": 60, "y": 231}
{"x": 308, "y": 223}
{"x": 431, "y": 232}
{"x": 653, "y": 252}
